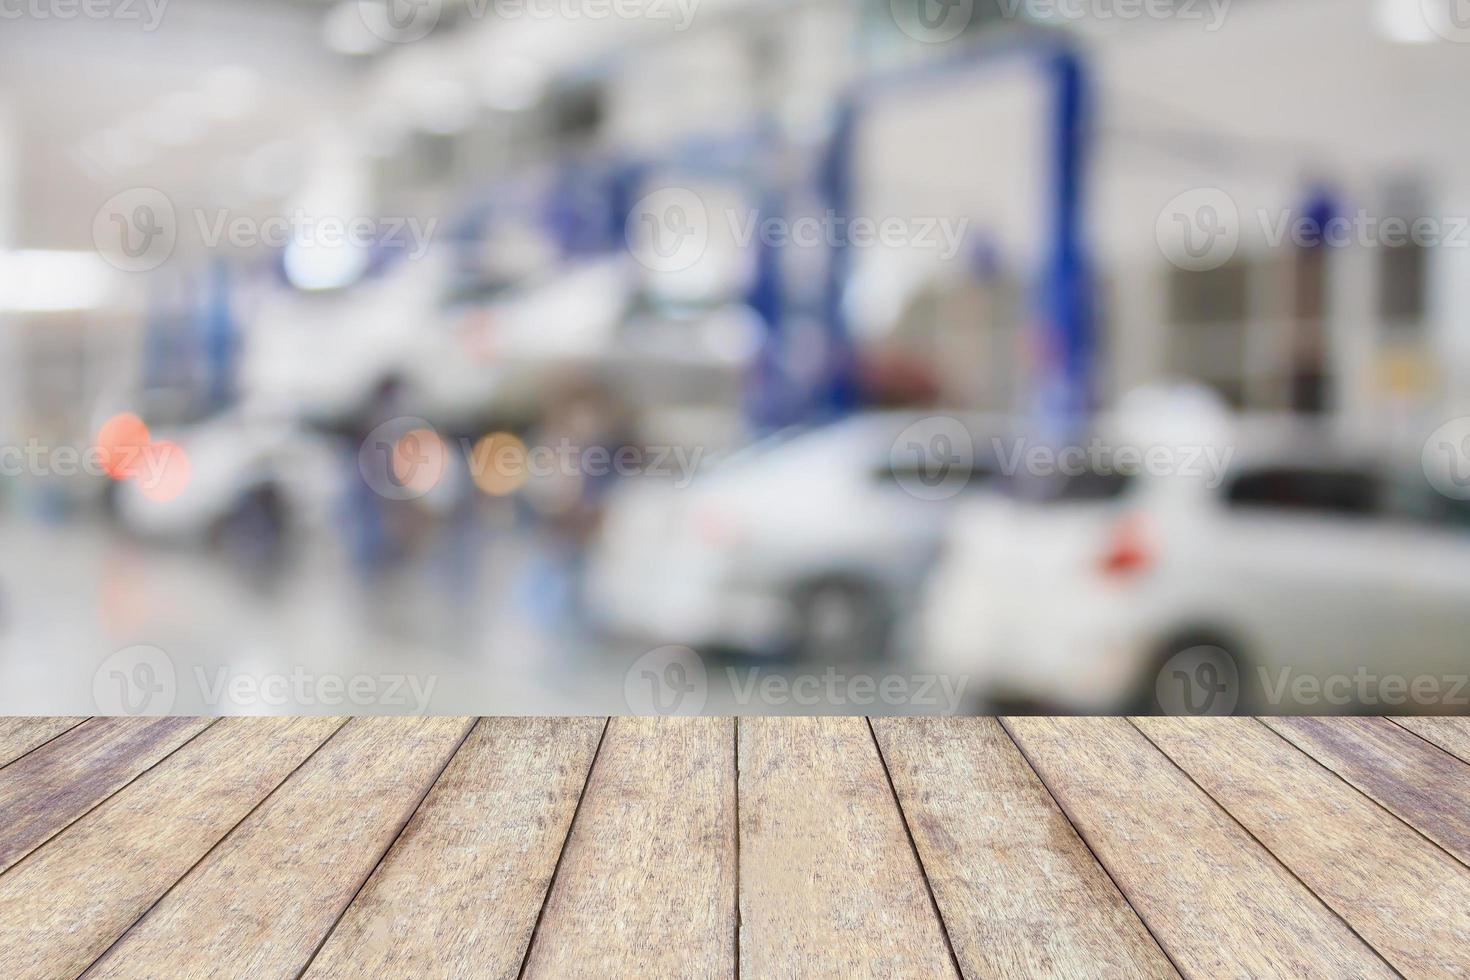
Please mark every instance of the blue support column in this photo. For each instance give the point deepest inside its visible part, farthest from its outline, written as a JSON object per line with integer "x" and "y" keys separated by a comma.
{"x": 768, "y": 386}
{"x": 1065, "y": 293}
{"x": 219, "y": 337}
{"x": 838, "y": 393}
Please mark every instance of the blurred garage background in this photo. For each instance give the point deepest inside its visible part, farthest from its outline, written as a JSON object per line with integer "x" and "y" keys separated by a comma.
{"x": 731, "y": 355}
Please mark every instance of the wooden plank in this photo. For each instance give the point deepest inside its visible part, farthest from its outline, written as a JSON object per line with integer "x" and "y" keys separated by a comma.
{"x": 1425, "y": 786}
{"x": 646, "y": 885}
{"x": 829, "y": 883}
{"x": 46, "y": 789}
{"x": 19, "y": 735}
{"x": 1450, "y": 734}
{"x": 1404, "y": 895}
{"x": 1217, "y": 901}
{"x": 70, "y": 899}
{"x": 1020, "y": 893}
{"x": 261, "y": 901}
{"x": 459, "y": 893}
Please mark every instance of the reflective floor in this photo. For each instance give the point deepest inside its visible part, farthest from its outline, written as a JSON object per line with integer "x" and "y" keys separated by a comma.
{"x": 479, "y": 619}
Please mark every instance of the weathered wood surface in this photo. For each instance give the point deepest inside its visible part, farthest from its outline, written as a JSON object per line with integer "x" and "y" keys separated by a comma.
{"x": 646, "y": 884}
{"x": 68, "y": 901}
{"x": 49, "y": 787}
{"x": 1404, "y": 895}
{"x": 260, "y": 902}
{"x": 1220, "y": 904}
{"x": 1020, "y": 892}
{"x": 829, "y": 883}
{"x": 452, "y": 847}
{"x": 459, "y": 893}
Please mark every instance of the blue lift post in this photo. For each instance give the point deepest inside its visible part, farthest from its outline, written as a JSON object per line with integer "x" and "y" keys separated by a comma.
{"x": 769, "y": 403}
{"x": 1062, "y": 298}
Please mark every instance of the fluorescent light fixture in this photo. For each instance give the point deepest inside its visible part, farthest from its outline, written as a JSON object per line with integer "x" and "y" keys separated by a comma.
{"x": 1404, "y": 21}
{"x": 315, "y": 267}
{"x": 53, "y": 282}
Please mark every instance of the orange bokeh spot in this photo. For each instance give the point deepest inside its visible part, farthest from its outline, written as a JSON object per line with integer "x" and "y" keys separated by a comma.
{"x": 166, "y": 471}
{"x": 122, "y": 440}
{"x": 498, "y": 464}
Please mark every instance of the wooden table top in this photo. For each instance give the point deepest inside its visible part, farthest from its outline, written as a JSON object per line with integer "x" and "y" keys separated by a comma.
{"x": 702, "y": 847}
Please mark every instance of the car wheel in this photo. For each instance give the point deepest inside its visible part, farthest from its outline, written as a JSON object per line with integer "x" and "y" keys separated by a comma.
{"x": 841, "y": 621}
{"x": 1196, "y": 676}
{"x": 255, "y": 528}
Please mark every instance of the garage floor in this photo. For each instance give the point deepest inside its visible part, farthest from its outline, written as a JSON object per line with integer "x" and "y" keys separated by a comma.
{"x": 389, "y": 847}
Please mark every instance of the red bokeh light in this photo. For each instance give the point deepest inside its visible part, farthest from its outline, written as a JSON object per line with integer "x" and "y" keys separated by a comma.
{"x": 122, "y": 440}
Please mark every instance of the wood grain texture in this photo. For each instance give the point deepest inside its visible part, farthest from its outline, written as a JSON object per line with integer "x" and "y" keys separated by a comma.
{"x": 46, "y": 789}
{"x": 261, "y": 901}
{"x": 1020, "y": 893}
{"x": 70, "y": 899}
{"x": 1450, "y": 734}
{"x": 1424, "y": 785}
{"x": 19, "y": 735}
{"x": 1219, "y": 903}
{"x": 459, "y": 893}
{"x": 1404, "y": 895}
{"x": 829, "y": 883}
{"x": 646, "y": 885}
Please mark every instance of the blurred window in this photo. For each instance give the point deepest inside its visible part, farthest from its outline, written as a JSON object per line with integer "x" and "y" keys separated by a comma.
{"x": 1210, "y": 296}
{"x": 923, "y": 472}
{"x": 1401, "y": 300}
{"x": 1343, "y": 491}
{"x": 1091, "y": 486}
{"x": 1208, "y": 313}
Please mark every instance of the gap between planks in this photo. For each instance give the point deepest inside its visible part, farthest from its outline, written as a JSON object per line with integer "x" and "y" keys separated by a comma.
{"x": 1117, "y": 885}
{"x": 903, "y": 817}
{"x": 327, "y": 934}
{"x": 1262, "y": 844}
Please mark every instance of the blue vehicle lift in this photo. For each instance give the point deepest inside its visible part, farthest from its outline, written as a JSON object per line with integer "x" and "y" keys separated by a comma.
{"x": 1062, "y": 296}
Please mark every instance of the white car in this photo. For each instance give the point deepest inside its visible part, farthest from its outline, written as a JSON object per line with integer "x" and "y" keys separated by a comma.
{"x": 248, "y": 479}
{"x": 811, "y": 543}
{"x": 1298, "y": 578}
